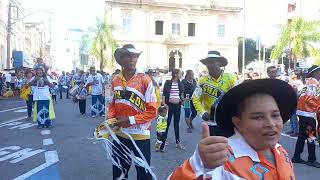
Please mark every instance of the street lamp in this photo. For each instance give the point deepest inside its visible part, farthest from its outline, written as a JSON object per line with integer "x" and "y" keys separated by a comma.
{"x": 9, "y": 29}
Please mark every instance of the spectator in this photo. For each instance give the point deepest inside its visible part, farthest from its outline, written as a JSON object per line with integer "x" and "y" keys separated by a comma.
{"x": 272, "y": 72}
{"x": 173, "y": 97}
{"x": 189, "y": 84}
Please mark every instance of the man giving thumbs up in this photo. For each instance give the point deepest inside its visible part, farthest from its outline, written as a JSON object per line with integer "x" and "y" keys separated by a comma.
{"x": 253, "y": 113}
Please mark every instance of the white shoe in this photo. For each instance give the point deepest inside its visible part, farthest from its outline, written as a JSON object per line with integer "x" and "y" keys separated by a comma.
{"x": 93, "y": 116}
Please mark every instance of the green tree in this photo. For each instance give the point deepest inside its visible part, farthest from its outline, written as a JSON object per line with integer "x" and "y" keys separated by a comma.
{"x": 315, "y": 53}
{"x": 299, "y": 36}
{"x": 103, "y": 41}
{"x": 84, "y": 44}
{"x": 251, "y": 52}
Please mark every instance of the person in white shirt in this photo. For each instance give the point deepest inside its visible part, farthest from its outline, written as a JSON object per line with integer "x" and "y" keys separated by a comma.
{"x": 95, "y": 80}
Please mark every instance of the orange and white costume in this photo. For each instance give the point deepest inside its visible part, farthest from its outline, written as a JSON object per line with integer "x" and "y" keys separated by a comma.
{"x": 135, "y": 99}
{"x": 309, "y": 100}
{"x": 244, "y": 163}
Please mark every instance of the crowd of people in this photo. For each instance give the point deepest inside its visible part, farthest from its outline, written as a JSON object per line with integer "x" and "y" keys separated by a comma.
{"x": 242, "y": 119}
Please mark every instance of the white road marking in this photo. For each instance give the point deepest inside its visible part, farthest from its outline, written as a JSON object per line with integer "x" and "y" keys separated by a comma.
{"x": 45, "y": 132}
{"x": 286, "y": 135}
{"x": 51, "y": 158}
{"x": 3, "y": 152}
{"x": 21, "y": 155}
{"x": 21, "y": 111}
{"x": 12, "y": 109}
{"x": 13, "y": 120}
{"x": 47, "y": 142}
{"x": 23, "y": 126}
{"x": 11, "y": 124}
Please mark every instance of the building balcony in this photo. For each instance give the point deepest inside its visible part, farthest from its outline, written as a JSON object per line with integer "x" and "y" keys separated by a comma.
{"x": 225, "y": 3}
{"x": 176, "y": 39}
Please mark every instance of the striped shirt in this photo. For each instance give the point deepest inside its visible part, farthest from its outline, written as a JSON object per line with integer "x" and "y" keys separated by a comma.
{"x": 174, "y": 92}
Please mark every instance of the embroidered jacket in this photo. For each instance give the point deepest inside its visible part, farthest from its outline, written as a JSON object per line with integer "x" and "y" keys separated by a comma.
{"x": 309, "y": 99}
{"x": 244, "y": 163}
{"x": 135, "y": 99}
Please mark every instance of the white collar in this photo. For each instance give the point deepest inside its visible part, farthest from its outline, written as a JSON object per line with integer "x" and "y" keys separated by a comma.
{"x": 241, "y": 148}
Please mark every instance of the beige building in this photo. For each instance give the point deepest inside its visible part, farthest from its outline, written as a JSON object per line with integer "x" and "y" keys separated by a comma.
{"x": 177, "y": 34}
{"x": 17, "y": 29}
{"x": 35, "y": 39}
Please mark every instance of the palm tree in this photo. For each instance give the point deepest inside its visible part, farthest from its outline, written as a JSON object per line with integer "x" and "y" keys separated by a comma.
{"x": 300, "y": 37}
{"x": 102, "y": 41}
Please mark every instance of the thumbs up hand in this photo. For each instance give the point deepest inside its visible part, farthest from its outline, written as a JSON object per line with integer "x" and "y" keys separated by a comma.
{"x": 213, "y": 150}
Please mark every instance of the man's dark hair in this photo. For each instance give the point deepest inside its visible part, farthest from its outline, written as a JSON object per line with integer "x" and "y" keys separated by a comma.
{"x": 188, "y": 72}
{"x": 271, "y": 67}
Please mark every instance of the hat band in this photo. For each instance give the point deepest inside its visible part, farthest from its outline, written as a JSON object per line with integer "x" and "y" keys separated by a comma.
{"x": 213, "y": 56}
{"x": 132, "y": 50}
{"x": 315, "y": 69}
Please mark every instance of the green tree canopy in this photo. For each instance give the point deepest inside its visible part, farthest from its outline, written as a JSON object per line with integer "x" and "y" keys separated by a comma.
{"x": 102, "y": 42}
{"x": 299, "y": 36}
{"x": 251, "y": 52}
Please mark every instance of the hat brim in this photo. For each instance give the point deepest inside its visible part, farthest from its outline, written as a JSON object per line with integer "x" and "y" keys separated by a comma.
{"x": 282, "y": 92}
{"x": 223, "y": 61}
{"x": 312, "y": 71}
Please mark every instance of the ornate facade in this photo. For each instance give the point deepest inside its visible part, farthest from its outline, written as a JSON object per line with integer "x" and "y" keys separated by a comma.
{"x": 177, "y": 34}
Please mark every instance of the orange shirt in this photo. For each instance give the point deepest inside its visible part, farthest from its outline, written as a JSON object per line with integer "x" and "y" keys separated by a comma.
{"x": 309, "y": 99}
{"x": 244, "y": 163}
{"x": 135, "y": 99}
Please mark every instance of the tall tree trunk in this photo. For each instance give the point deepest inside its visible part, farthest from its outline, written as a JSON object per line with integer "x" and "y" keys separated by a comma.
{"x": 101, "y": 58}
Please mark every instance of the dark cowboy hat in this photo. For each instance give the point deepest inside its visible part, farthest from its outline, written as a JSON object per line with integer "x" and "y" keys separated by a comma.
{"x": 127, "y": 49}
{"x": 281, "y": 91}
{"x": 312, "y": 69}
{"x": 215, "y": 56}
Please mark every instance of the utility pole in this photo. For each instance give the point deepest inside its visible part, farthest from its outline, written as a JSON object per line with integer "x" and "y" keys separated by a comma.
{"x": 9, "y": 37}
{"x": 264, "y": 58}
{"x": 244, "y": 39}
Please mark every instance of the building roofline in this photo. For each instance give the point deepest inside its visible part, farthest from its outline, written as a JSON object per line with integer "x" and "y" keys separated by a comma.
{"x": 188, "y": 7}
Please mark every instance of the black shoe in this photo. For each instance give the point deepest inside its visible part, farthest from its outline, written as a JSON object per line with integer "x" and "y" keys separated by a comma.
{"x": 313, "y": 164}
{"x": 298, "y": 160}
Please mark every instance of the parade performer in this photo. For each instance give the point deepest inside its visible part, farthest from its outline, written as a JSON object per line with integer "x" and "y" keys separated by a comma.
{"x": 252, "y": 114}
{"x": 95, "y": 80}
{"x": 62, "y": 83}
{"x": 43, "y": 108}
{"x": 81, "y": 96}
{"x": 212, "y": 87}
{"x": 308, "y": 108}
{"x": 26, "y": 92}
{"x": 134, "y": 107}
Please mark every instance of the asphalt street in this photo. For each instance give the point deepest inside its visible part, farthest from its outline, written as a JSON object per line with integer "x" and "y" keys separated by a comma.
{"x": 69, "y": 151}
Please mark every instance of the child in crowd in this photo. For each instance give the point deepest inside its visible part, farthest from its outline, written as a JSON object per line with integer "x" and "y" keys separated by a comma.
{"x": 54, "y": 91}
{"x": 81, "y": 96}
{"x": 161, "y": 128}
